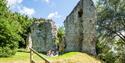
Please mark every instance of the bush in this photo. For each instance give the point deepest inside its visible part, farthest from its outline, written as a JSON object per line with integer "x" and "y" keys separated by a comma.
{"x": 9, "y": 37}
{"x": 6, "y": 51}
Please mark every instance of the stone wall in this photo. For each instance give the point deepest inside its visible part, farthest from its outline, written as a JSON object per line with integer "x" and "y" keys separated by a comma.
{"x": 43, "y": 35}
{"x": 80, "y": 28}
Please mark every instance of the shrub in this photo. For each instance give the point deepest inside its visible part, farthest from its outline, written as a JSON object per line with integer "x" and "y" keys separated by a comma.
{"x": 6, "y": 51}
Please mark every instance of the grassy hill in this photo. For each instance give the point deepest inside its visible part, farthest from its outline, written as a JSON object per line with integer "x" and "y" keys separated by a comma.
{"x": 71, "y": 57}
{"x": 74, "y": 57}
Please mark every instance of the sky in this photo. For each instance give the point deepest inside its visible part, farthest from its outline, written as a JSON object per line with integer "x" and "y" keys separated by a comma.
{"x": 57, "y": 10}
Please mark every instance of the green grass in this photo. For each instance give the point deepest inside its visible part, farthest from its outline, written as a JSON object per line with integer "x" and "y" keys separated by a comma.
{"x": 71, "y": 57}
{"x": 64, "y": 56}
{"x": 75, "y": 57}
{"x": 19, "y": 56}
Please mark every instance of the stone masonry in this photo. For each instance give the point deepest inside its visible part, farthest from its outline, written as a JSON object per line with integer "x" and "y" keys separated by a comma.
{"x": 43, "y": 34}
{"x": 80, "y": 30}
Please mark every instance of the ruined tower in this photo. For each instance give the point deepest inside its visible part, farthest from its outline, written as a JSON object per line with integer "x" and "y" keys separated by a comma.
{"x": 80, "y": 30}
{"x": 43, "y": 34}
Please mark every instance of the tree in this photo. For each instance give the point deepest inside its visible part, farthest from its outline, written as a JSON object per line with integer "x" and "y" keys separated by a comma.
{"x": 25, "y": 23}
{"x": 60, "y": 33}
{"x": 110, "y": 27}
{"x": 111, "y": 17}
{"x": 13, "y": 29}
{"x": 60, "y": 38}
{"x": 8, "y": 31}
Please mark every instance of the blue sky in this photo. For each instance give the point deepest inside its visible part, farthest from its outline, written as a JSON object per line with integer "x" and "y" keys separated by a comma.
{"x": 57, "y": 10}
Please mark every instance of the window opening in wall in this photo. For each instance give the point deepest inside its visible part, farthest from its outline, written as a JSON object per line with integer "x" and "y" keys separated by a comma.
{"x": 80, "y": 13}
{"x": 90, "y": 21}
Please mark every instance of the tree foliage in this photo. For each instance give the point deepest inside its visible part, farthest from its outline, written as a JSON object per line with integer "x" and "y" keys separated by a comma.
{"x": 111, "y": 17}
{"x": 60, "y": 39}
{"x": 13, "y": 29}
{"x": 60, "y": 33}
{"x": 111, "y": 28}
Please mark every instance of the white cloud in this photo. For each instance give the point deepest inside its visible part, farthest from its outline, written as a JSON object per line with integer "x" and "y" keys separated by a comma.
{"x": 26, "y": 11}
{"x": 54, "y": 15}
{"x": 16, "y": 5}
{"x": 47, "y": 1}
{"x": 13, "y": 2}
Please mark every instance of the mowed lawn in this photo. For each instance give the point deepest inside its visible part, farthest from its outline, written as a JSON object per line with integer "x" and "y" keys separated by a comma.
{"x": 71, "y": 57}
{"x": 20, "y": 57}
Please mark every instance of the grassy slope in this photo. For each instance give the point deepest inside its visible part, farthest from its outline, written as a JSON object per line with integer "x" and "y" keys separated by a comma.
{"x": 75, "y": 57}
{"x": 72, "y": 57}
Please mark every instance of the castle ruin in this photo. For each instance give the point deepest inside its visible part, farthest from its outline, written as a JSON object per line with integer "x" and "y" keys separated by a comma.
{"x": 80, "y": 28}
{"x": 43, "y": 34}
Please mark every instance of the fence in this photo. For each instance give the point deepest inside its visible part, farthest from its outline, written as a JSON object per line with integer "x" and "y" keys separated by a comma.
{"x": 35, "y": 52}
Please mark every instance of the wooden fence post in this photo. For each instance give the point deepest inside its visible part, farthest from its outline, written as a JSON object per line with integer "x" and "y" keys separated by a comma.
{"x": 35, "y": 52}
{"x": 31, "y": 57}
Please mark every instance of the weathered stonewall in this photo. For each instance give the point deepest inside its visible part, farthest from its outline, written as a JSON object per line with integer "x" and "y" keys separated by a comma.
{"x": 43, "y": 34}
{"x": 80, "y": 30}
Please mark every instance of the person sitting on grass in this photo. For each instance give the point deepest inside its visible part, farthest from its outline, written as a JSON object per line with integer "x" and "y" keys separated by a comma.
{"x": 50, "y": 53}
